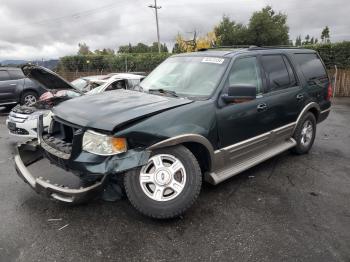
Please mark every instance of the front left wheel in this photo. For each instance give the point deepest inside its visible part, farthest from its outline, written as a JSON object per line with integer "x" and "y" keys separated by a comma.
{"x": 167, "y": 185}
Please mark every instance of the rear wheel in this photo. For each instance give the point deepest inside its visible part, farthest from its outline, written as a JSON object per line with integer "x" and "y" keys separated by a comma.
{"x": 305, "y": 134}
{"x": 29, "y": 98}
{"x": 167, "y": 185}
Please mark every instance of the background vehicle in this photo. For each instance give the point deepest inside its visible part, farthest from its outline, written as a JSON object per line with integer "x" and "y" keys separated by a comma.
{"x": 16, "y": 88}
{"x": 22, "y": 120}
{"x": 118, "y": 81}
{"x": 206, "y": 115}
{"x": 88, "y": 83}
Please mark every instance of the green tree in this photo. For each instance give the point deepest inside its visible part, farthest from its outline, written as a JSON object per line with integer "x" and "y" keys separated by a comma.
{"x": 229, "y": 33}
{"x": 176, "y": 49}
{"x": 104, "y": 51}
{"x": 325, "y": 35}
{"x": 312, "y": 41}
{"x": 164, "y": 48}
{"x": 84, "y": 49}
{"x": 142, "y": 48}
{"x": 125, "y": 48}
{"x": 298, "y": 41}
{"x": 266, "y": 27}
{"x": 154, "y": 48}
{"x": 307, "y": 40}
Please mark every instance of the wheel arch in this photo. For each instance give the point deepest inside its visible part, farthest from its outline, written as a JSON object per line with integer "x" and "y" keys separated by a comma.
{"x": 312, "y": 107}
{"x": 200, "y": 147}
{"x": 29, "y": 90}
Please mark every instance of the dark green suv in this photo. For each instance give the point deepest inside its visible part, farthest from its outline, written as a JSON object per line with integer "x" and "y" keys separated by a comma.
{"x": 206, "y": 115}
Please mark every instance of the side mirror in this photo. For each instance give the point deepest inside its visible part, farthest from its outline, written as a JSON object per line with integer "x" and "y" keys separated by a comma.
{"x": 239, "y": 93}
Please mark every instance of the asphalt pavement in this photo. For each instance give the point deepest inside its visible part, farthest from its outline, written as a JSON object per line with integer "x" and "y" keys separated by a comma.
{"x": 289, "y": 208}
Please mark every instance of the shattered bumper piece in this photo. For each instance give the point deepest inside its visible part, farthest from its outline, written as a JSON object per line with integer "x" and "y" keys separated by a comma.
{"x": 28, "y": 153}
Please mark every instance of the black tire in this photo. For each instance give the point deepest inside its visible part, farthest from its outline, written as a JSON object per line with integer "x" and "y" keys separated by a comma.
{"x": 179, "y": 204}
{"x": 27, "y": 94}
{"x": 302, "y": 148}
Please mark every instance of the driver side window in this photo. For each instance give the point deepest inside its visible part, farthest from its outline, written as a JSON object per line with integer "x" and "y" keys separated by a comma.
{"x": 246, "y": 71}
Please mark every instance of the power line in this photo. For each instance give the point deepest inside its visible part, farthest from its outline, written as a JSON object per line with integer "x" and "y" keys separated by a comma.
{"x": 75, "y": 15}
{"x": 156, "y": 7}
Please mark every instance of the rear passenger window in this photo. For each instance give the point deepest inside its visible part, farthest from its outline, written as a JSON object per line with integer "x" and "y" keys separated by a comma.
{"x": 279, "y": 72}
{"x": 312, "y": 68}
{"x": 4, "y": 76}
{"x": 16, "y": 74}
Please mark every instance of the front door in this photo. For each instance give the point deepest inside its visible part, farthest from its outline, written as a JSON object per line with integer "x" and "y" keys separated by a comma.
{"x": 241, "y": 121}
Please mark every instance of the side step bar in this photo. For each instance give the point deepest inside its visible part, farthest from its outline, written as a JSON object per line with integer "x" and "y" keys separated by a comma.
{"x": 218, "y": 177}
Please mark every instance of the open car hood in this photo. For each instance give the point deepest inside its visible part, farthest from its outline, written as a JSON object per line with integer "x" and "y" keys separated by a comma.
{"x": 48, "y": 79}
{"x": 113, "y": 109}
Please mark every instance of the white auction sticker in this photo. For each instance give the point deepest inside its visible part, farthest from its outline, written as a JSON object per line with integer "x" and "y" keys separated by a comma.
{"x": 214, "y": 60}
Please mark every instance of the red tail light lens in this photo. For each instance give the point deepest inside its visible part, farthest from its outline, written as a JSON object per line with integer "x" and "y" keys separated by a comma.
{"x": 329, "y": 92}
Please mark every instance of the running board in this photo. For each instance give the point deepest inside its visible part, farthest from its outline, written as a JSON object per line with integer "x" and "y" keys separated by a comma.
{"x": 217, "y": 177}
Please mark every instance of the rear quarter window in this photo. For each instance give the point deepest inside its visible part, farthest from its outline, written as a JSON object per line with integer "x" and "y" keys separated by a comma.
{"x": 312, "y": 68}
{"x": 16, "y": 74}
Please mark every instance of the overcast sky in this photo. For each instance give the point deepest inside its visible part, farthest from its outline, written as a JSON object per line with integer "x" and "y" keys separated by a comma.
{"x": 37, "y": 29}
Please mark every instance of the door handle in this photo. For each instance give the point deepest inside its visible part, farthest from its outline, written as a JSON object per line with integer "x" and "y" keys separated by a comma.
{"x": 12, "y": 84}
{"x": 300, "y": 97}
{"x": 261, "y": 107}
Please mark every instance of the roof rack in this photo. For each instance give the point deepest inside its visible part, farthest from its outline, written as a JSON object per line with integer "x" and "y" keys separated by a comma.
{"x": 272, "y": 47}
{"x": 249, "y": 47}
{"x": 223, "y": 47}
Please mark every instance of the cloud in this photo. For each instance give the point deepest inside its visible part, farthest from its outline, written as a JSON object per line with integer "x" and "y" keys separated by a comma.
{"x": 49, "y": 29}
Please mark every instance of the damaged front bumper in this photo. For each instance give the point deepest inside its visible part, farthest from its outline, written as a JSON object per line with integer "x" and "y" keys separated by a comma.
{"x": 30, "y": 152}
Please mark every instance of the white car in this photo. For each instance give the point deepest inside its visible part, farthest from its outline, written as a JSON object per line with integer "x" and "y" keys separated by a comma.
{"x": 22, "y": 120}
{"x": 117, "y": 81}
{"x": 25, "y": 123}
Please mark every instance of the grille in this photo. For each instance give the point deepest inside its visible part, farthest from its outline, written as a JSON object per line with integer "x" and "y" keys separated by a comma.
{"x": 60, "y": 137}
{"x": 19, "y": 131}
{"x": 62, "y": 131}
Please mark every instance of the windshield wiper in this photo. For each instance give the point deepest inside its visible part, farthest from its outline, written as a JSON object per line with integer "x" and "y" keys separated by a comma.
{"x": 164, "y": 91}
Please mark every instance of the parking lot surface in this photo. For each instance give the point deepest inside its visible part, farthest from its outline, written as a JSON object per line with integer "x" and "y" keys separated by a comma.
{"x": 289, "y": 208}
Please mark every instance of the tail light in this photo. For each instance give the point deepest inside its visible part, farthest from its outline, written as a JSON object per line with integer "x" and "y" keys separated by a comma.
{"x": 329, "y": 92}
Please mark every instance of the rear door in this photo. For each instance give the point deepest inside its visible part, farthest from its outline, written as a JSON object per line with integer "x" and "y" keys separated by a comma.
{"x": 7, "y": 87}
{"x": 284, "y": 96}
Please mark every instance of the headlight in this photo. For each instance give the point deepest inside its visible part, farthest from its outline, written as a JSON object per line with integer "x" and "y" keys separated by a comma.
{"x": 104, "y": 145}
{"x": 35, "y": 115}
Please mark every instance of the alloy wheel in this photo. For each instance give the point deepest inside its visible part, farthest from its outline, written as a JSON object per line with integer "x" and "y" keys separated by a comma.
{"x": 29, "y": 100}
{"x": 163, "y": 178}
{"x": 306, "y": 133}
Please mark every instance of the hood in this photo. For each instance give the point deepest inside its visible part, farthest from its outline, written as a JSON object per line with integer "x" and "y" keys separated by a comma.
{"x": 112, "y": 109}
{"x": 48, "y": 79}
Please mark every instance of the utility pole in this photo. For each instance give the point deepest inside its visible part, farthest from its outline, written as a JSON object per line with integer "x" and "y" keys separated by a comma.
{"x": 156, "y": 7}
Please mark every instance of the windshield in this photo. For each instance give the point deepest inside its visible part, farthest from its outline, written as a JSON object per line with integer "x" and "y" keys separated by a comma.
{"x": 187, "y": 76}
{"x": 80, "y": 83}
{"x": 98, "y": 89}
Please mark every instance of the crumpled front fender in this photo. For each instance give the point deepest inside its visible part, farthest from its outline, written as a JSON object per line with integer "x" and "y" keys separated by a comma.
{"x": 92, "y": 176}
